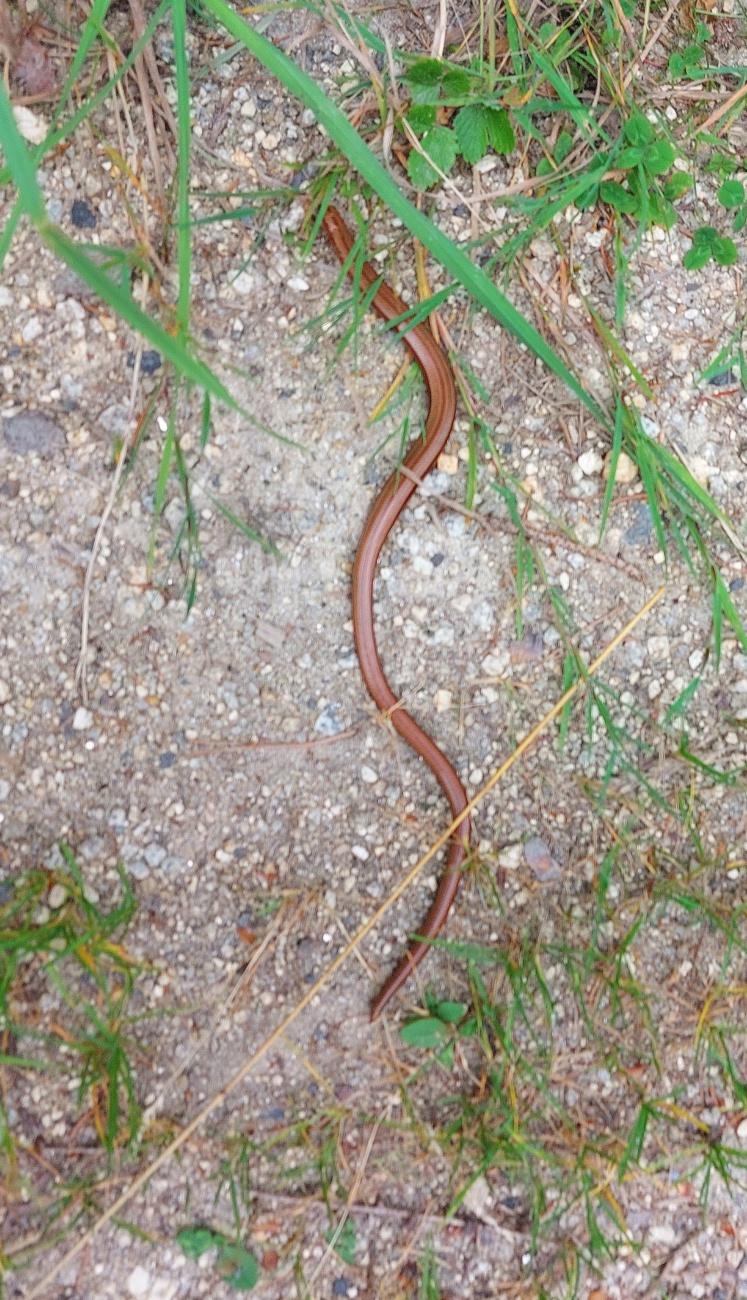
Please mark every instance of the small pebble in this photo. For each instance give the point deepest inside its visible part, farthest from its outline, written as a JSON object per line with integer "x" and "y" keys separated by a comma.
{"x": 328, "y": 723}
{"x": 590, "y": 462}
{"x": 4, "y": 790}
{"x": 56, "y": 896}
{"x": 33, "y": 431}
{"x": 626, "y": 470}
{"x": 83, "y": 215}
{"x": 298, "y": 284}
{"x": 510, "y": 857}
{"x": 4, "y": 691}
{"x": 360, "y": 852}
{"x": 658, "y": 648}
{"x": 540, "y": 860}
{"x": 82, "y": 720}
{"x": 369, "y": 775}
{"x": 442, "y": 700}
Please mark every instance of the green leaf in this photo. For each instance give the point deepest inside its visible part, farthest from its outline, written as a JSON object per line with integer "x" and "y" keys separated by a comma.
{"x": 629, "y": 157}
{"x": 704, "y": 236}
{"x": 587, "y": 198}
{"x": 426, "y": 72}
{"x": 545, "y": 168}
{"x": 697, "y": 256}
{"x": 440, "y": 144}
{"x": 740, "y": 221}
{"x": 422, "y": 117}
{"x": 425, "y": 1032}
{"x": 563, "y": 146}
{"x": 724, "y": 251}
{"x": 677, "y": 707}
{"x": 238, "y": 1267}
{"x": 618, "y": 197}
{"x": 455, "y": 84}
{"x": 661, "y": 212}
{"x": 451, "y": 1012}
{"x": 479, "y": 125}
{"x": 638, "y": 130}
{"x": 677, "y": 185}
{"x": 658, "y": 157}
{"x": 500, "y": 131}
{"x": 731, "y": 194}
{"x": 676, "y": 66}
{"x": 471, "y": 127}
{"x": 345, "y": 1242}
{"x": 692, "y": 55}
{"x": 195, "y": 1241}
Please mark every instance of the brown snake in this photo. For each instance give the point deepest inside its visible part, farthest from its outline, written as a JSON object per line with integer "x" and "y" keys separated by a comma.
{"x": 384, "y": 513}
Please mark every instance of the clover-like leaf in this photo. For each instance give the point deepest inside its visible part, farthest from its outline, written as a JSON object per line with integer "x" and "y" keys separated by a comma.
{"x": 426, "y": 1031}
{"x": 638, "y": 130}
{"x": 731, "y": 194}
{"x": 676, "y": 186}
{"x": 697, "y": 256}
{"x": 618, "y": 197}
{"x": 658, "y": 157}
{"x": 724, "y": 251}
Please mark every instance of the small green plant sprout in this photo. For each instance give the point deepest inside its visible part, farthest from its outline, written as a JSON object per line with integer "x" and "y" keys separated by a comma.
{"x": 645, "y": 157}
{"x": 688, "y": 62}
{"x": 709, "y": 244}
{"x": 236, "y": 1265}
{"x": 732, "y": 197}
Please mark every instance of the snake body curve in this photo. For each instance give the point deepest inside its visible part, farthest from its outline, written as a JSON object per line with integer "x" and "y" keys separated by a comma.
{"x": 384, "y": 513}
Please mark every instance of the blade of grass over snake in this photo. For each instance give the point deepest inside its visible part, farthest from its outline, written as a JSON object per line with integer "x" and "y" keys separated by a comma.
{"x": 360, "y": 156}
{"x": 184, "y": 233}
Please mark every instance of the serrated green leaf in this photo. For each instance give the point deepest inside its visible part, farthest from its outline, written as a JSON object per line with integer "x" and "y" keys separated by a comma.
{"x": 618, "y": 197}
{"x": 426, "y": 72}
{"x": 471, "y": 128}
{"x": 731, "y": 194}
{"x": 629, "y": 157}
{"x": 440, "y": 144}
{"x": 697, "y": 256}
{"x": 500, "y": 131}
{"x": 692, "y": 55}
{"x": 676, "y": 66}
{"x": 677, "y": 185}
{"x": 638, "y": 130}
{"x": 238, "y": 1267}
{"x": 724, "y": 251}
{"x": 658, "y": 157}
{"x": 451, "y": 1012}
{"x": 426, "y": 1032}
{"x": 455, "y": 83}
{"x": 422, "y": 117}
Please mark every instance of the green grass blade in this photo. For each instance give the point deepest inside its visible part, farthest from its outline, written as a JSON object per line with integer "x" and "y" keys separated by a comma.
{"x": 93, "y": 26}
{"x": 19, "y": 162}
{"x": 184, "y": 234}
{"x": 471, "y": 277}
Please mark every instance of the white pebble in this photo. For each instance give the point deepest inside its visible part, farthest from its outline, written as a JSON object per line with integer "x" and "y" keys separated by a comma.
{"x": 742, "y": 1130}
{"x": 626, "y": 470}
{"x": 83, "y": 719}
{"x": 138, "y": 1283}
{"x": 369, "y": 776}
{"x": 695, "y": 659}
{"x": 654, "y": 689}
{"x": 359, "y": 852}
{"x": 442, "y": 700}
{"x": 298, "y": 283}
{"x": 56, "y": 896}
{"x": 590, "y": 462}
{"x": 248, "y": 108}
{"x": 4, "y": 692}
{"x": 4, "y": 790}
{"x": 510, "y": 857}
{"x": 658, "y": 648}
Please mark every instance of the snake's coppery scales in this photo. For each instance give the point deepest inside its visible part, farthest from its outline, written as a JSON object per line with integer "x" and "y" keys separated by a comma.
{"x": 385, "y": 511}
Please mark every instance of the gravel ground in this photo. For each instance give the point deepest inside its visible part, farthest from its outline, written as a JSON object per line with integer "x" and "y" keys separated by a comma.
{"x": 231, "y": 760}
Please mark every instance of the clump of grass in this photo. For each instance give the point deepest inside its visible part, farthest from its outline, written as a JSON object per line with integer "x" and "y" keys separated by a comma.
{"x": 57, "y": 943}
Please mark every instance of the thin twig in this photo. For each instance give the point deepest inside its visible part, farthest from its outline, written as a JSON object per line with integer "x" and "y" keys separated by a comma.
{"x": 81, "y": 671}
{"x": 220, "y": 1097}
